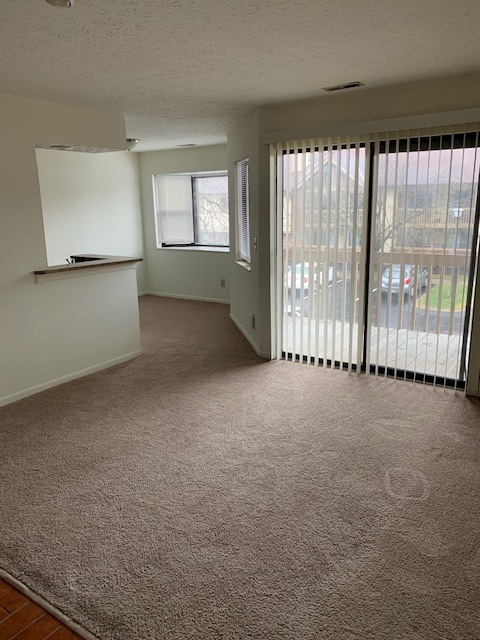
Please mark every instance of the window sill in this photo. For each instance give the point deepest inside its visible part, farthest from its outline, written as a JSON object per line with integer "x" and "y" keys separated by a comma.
{"x": 245, "y": 265}
{"x": 193, "y": 248}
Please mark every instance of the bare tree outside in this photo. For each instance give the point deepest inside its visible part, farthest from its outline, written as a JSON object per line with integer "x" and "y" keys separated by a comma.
{"x": 212, "y": 223}
{"x": 422, "y": 205}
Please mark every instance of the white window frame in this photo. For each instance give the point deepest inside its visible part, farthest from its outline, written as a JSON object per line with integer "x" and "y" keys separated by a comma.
{"x": 180, "y": 245}
{"x": 242, "y": 212}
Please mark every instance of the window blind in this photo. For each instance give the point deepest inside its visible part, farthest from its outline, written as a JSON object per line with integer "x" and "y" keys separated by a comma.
{"x": 174, "y": 210}
{"x": 321, "y": 257}
{"x": 377, "y": 242}
{"x": 424, "y": 240}
{"x": 243, "y": 210}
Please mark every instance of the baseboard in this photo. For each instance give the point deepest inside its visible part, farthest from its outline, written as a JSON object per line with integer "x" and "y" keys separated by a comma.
{"x": 71, "y": 376}
{"x": 76, "y": 628}
{"x": 184, "y": 297}
{"x": 262, "y": 354}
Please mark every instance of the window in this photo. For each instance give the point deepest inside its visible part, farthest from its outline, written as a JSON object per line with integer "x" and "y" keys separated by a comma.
{"x": 191, "y": 210}
{"x": 243, "y": 211}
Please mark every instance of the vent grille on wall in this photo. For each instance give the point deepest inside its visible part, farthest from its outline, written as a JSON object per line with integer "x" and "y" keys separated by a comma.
{"x": 341, "y": 87}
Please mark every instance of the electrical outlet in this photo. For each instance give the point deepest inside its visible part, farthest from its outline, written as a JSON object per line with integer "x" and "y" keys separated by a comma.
{"x": 251, "y": 320}
{"x": 222, "y": 283}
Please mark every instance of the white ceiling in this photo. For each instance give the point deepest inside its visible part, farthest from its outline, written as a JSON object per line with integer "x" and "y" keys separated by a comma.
{"x": 182, "y": 71}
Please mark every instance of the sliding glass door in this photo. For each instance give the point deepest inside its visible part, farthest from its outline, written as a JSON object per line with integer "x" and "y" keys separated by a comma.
{"x": 423, "y": 245}
{"x": 378, "y": 250}
{"x": 322, "y": 250}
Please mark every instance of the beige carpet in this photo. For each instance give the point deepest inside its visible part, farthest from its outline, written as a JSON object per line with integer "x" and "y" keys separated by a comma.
{"x": 198, "y": 492}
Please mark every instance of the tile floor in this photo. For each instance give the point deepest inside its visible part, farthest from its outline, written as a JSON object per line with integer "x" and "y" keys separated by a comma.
{"x": 22, "y": 619}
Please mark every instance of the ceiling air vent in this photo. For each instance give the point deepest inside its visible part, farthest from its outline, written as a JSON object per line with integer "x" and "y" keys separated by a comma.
{"x": 341, "y": 87}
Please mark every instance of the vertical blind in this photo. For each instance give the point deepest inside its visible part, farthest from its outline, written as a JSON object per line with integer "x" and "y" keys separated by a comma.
{"x": 376, "y": 252}
{"x": 424, "y": 241}
{"x": 321, "y": 259}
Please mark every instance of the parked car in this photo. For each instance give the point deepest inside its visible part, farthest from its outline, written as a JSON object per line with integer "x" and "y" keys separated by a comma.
{"x": 301, "y": 285}
{"x": 302, "y": 280}
{"x": 391, "y": 279}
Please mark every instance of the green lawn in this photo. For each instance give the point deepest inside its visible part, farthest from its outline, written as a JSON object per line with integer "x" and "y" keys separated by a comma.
{"x": 460, "y": 295}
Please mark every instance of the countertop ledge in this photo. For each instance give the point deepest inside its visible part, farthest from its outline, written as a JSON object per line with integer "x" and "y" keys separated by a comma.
{"x": 88, "y": 261}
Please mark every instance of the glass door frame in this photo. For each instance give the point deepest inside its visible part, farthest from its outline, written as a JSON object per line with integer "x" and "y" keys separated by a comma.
{"x": 373, "y": 151}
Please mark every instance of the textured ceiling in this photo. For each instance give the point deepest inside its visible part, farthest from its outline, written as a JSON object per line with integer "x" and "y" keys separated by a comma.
{"x": 182, "y": 71}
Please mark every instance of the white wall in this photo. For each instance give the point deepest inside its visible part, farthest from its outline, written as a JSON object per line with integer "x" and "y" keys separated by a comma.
{"x": 433, "y": 103}
{"x": 91, "y": 204}
{"x": 246, "y": 285}
{"x": 182, "y": 272}
{"x": 38, "y": 322}
{"x": 293, "y": 120}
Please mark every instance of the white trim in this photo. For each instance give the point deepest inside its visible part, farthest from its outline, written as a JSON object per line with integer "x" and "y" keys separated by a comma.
{"x": 70, "y": 376}
{"x": 276, "y": 255}
{"x": 429, "y": 120}
{"x": 246, "y": 265}
{"x": 262, "y": 354}
{"x": 473, "y": 355}
{"x": 472, "y": 389}
{"x": 56, "y": 613}
{"x": 193, "y": 209}
{"x": 196, "y": 247}
{"x": 182, "y": 296}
